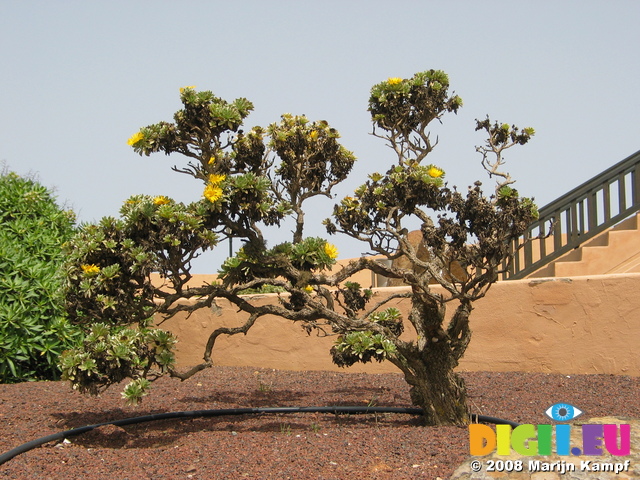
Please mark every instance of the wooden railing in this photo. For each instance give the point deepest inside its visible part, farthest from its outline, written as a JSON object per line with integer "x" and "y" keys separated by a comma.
{"x": 584, "y": 212}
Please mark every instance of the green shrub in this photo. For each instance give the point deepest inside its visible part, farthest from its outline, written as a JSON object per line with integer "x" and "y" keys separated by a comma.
{"x": 33, "y": 326}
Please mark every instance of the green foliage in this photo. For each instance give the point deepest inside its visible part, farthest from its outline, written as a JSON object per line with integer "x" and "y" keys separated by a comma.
{"x": 503, "y": 134}
{"x": 248, "y": 196}
{"x": 135, "y": 390}
{"x": 391, "y": 196}
{"x": 33, "y": 328}
{"x": 109, "y": 264}
{"x": 108, "y": 279}
{"x": 110, "y": 354}
{"x": 202, "y": 110}
{"x": 391, "y": 318}
{"x": 380, "y": 204}
{"x": 361, "y": 347}
{"x": 310, "y": 153}
{"x": 365, "y": 346}
{"x": 355, "y": 298}
{"x": 410, "y": 104}
{"x": 309, "y": 254}
{"x": 312, "y": 253}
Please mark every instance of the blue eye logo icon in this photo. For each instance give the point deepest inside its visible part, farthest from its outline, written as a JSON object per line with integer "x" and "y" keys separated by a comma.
{"x": 563, "y": 412}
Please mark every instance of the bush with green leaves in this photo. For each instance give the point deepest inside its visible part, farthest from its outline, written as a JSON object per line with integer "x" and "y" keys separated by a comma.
{"x": 259, "y": 177}
{"x": 115, "y": 355}
{"x": 34, "y": 330}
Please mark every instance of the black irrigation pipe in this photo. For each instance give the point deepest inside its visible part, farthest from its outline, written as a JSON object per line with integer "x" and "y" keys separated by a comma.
{"x": 227, "y": 411}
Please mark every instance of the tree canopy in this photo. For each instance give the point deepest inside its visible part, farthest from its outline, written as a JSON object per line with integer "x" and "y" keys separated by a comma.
{"x": 257, "y": 178}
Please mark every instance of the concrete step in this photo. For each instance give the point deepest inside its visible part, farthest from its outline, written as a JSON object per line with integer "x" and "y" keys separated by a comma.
{"x": 631, "y": 265}
{"x": 615, "y": 251}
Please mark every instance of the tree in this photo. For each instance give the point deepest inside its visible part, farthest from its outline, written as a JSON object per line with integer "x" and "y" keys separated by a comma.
{"x": 33, "y": 327}
{"x": 260, "y": 177}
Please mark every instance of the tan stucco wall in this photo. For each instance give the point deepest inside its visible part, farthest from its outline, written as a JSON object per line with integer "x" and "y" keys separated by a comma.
{"x": 556, "y": 325}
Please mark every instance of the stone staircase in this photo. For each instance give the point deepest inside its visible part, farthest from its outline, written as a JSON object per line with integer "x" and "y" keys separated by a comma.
{"x": 576, "y": 234}
{"x": 616, "y": 250}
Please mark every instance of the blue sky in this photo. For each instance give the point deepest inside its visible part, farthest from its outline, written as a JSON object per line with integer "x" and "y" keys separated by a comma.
{"x": 79, "y": 78}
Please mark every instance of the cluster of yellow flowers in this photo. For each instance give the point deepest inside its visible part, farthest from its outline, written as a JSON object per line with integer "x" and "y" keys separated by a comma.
{"x": 331, "y": 250}
{"x": 161, "y": 200}
{"x": 190, "y": 87}
{"x": 435, "y": 172}
{"x": 394, "y": 80}
{"x": 90, "y": 269}
{"x": 216, "y": 179}
{"x": 213, "y": 191}
{"x": 135, "y": 138}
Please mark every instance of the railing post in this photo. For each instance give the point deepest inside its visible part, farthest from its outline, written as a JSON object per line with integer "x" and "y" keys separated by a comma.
{"x": 514, "y": 264}
{"x": 635, "y": 182}
{"x": 581, "y": 218}
{"x": 592, "y": 206}
{"x": 622, "y": 194}
{"x": 557, "y": 231}
{"x": 542, "y": 240}
{"x": 606, "y": 200}
{"x": 528, "y": 257}
{"x": 573, "y": 221}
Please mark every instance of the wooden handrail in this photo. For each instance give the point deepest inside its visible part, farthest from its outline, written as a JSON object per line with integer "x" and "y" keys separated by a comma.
{"x": 579, "y": 215}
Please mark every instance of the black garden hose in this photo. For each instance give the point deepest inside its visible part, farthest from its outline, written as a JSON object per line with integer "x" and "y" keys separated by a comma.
{"x": 227, "y": 411}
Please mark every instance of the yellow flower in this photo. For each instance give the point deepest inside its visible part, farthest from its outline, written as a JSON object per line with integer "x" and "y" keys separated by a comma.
{"x": 435, "y": 172}
{"x": 212, "y": 193}
{"x": 161, "y": 200}
{"x": 212, "y": 159}
{"x": 190, "y": 87}
{"x": 308, "y": 289}
{"x": 394, "y": 80}
{"x": 216, "y": 179}
{"x": 135, "y": 138}
{"x": 331, "y": 251}
{"x": 313, "y": 135}
{"x": 90, "y": 269}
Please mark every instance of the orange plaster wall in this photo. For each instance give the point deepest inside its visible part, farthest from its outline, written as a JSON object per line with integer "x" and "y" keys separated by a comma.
{"x": 554, "y": 325}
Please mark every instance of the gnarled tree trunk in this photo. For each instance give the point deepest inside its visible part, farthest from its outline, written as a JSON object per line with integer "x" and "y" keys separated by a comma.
{"x": 428, "y": 363}
{"x": 436, "y": 388}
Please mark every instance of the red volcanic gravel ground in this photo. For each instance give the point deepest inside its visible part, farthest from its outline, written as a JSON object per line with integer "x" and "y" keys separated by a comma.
{"x": 296, "y": 446}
